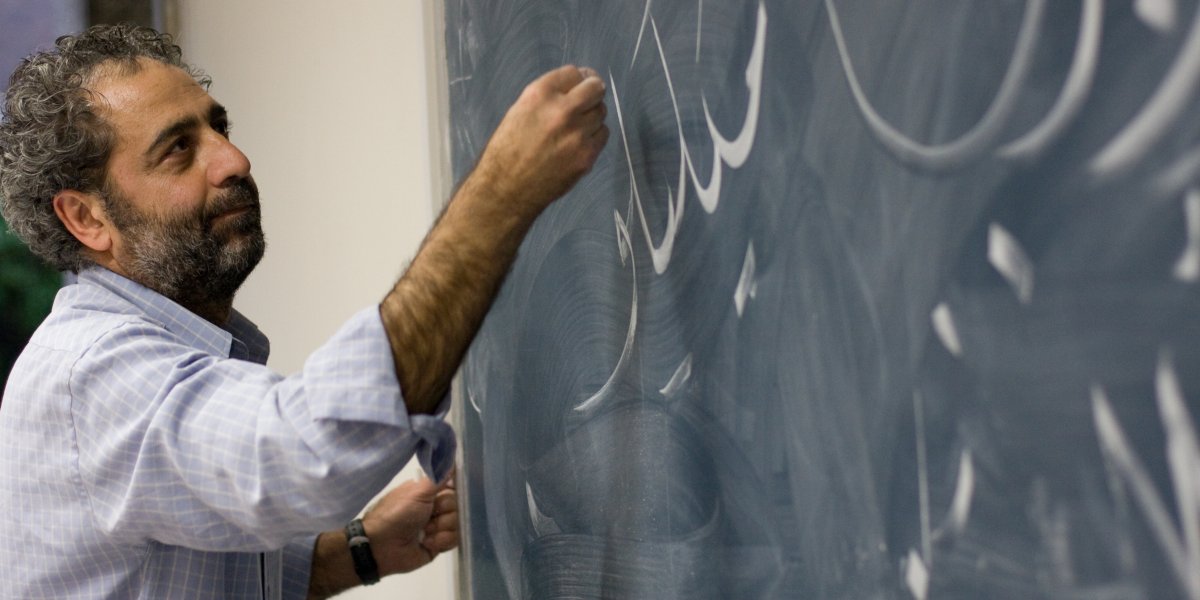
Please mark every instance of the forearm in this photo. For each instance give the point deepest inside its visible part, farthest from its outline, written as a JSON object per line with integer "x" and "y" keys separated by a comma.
{"x": 433, "y": 312}
{"x": 548, "y": 139}
{"x": 332, "y": 567}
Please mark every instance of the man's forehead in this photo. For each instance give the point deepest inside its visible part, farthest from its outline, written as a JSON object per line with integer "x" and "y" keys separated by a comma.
{"x": 148, "y": 92}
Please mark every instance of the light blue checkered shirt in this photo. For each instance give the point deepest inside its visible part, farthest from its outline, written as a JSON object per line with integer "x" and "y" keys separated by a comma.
{"x": 146, "y": 453}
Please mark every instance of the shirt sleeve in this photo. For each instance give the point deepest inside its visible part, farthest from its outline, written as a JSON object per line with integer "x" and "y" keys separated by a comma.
{"x": 210, "y": 453}
{"x": 297, "y": 567}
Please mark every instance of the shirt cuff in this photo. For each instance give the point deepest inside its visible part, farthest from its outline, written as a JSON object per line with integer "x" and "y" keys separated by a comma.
{"x": 297, "y": 567}
{"x": 353, "y": 378}
{"x": 435, "y": 450}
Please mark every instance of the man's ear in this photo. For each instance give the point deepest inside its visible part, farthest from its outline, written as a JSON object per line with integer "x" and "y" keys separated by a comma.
{"x": 84, "y": 216}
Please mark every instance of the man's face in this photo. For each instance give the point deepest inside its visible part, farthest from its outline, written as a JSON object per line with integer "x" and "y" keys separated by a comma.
{"x": 179, "y": 195}
{"x": 197, "y": 258}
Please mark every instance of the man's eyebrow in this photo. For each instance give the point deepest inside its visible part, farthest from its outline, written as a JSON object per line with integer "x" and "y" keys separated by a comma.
{"x": 216, "y": 112}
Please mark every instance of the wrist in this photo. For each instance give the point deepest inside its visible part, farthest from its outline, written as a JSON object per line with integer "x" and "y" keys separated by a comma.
{"x": 359, "y": 545}
{"x": 489, "y": 189}
{"x": 332, "y": 570}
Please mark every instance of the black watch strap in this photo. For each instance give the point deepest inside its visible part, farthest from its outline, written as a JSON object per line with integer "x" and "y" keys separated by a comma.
{"x": 360, "y": 553}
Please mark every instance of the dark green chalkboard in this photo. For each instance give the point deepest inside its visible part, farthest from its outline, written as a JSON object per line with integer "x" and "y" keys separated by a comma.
{"x": 863, "y": 299}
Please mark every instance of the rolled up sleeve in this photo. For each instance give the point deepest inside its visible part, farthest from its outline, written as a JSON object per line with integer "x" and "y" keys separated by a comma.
{"x": 188, "y": 448}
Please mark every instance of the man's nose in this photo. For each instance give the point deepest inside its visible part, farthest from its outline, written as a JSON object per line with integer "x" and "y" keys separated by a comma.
{"x": 227, "y": 162}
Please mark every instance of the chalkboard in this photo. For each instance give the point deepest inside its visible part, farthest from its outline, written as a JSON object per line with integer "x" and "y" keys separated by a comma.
{"x": 863, "y": 299}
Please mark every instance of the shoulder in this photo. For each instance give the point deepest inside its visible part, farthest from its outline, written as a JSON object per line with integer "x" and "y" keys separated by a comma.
{"x": 81, "y": 317}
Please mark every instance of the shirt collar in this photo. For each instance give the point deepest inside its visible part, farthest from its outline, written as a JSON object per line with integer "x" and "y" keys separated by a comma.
{"x": 240, "y": 338}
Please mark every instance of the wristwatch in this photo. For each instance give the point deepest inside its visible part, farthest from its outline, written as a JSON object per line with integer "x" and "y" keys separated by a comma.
{"x": 360, "y": 552}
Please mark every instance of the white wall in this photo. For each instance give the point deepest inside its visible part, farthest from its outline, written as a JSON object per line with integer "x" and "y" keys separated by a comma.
{"x": 329, "y": 102}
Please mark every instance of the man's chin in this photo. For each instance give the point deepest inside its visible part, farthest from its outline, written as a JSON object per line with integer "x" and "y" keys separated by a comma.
{"x": 242, "y": 223}
{"x": 242, "y": 253}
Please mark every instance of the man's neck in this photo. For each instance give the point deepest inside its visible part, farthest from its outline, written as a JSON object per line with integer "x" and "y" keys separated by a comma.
{"x": 215, "y": 311}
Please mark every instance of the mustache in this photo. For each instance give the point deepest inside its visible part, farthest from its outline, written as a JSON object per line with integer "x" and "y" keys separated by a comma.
{"x": 243, "y": 193}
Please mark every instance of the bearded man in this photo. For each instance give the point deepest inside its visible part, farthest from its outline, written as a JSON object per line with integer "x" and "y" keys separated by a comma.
{"x": 145, "y": 451}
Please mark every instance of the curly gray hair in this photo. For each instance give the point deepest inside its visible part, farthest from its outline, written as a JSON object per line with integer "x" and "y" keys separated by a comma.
{"x": 52, "y": 139}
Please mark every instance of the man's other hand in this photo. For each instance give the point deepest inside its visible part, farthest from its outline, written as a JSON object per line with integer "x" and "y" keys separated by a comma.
{"x": 412, "y": 524}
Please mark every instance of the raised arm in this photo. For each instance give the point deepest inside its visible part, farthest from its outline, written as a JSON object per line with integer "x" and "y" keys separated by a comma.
{"x": 549, "y": 138}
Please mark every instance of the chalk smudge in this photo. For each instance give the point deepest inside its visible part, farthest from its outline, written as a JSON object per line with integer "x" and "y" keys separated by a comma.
{"x": 1075, "y": 90}
{"x": 731, "y": 152}
{"x": 1183, "y": 554}
{"x": 1169, "y": 101}
{"x": 922, "y": 477}
{"x": 641, "y": 30}
{"x": 960, "y": 507}
{"x": 916, "y": 576}
{"x": 725, "y": 152}
{"x": 1183, "y": 458}
{"x": 983, "y": 136}
{"x": 947, "y": 332}
{"x": 678, "y": 379}
{"x": 1187, "y": 268}
{"x": 1007, "y": 256}
{"x": 542, "y": 524}
{"x": 747, "y": 285}
{"x": 1159, "y": 15}
{"x": 595, "y": 401}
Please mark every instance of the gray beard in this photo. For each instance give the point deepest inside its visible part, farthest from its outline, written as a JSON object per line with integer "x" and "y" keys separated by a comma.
{"x": 185, "y": 257}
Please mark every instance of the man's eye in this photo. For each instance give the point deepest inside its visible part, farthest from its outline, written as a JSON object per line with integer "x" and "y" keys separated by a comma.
{"x": 223, "y": 127}
{"x": 180, "y": 145}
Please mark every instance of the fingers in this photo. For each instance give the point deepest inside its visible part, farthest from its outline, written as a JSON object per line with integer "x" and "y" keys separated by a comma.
{"x": 588, "y": 97}
{"x": 421, "y": 489}
{"x": 582, "y": 86}
{"x": 587, "y": 94}
{"x": 443, "y": 522}
{"x": 446, "y": 501}
{"x": 441, "y": 542}
{"x": 592, "y": 121}
{"x": 445, "y": 512}
{"x": 561, "y": 79}
{"x": 599, "y": 139}
{"x": 441, "y": 533}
